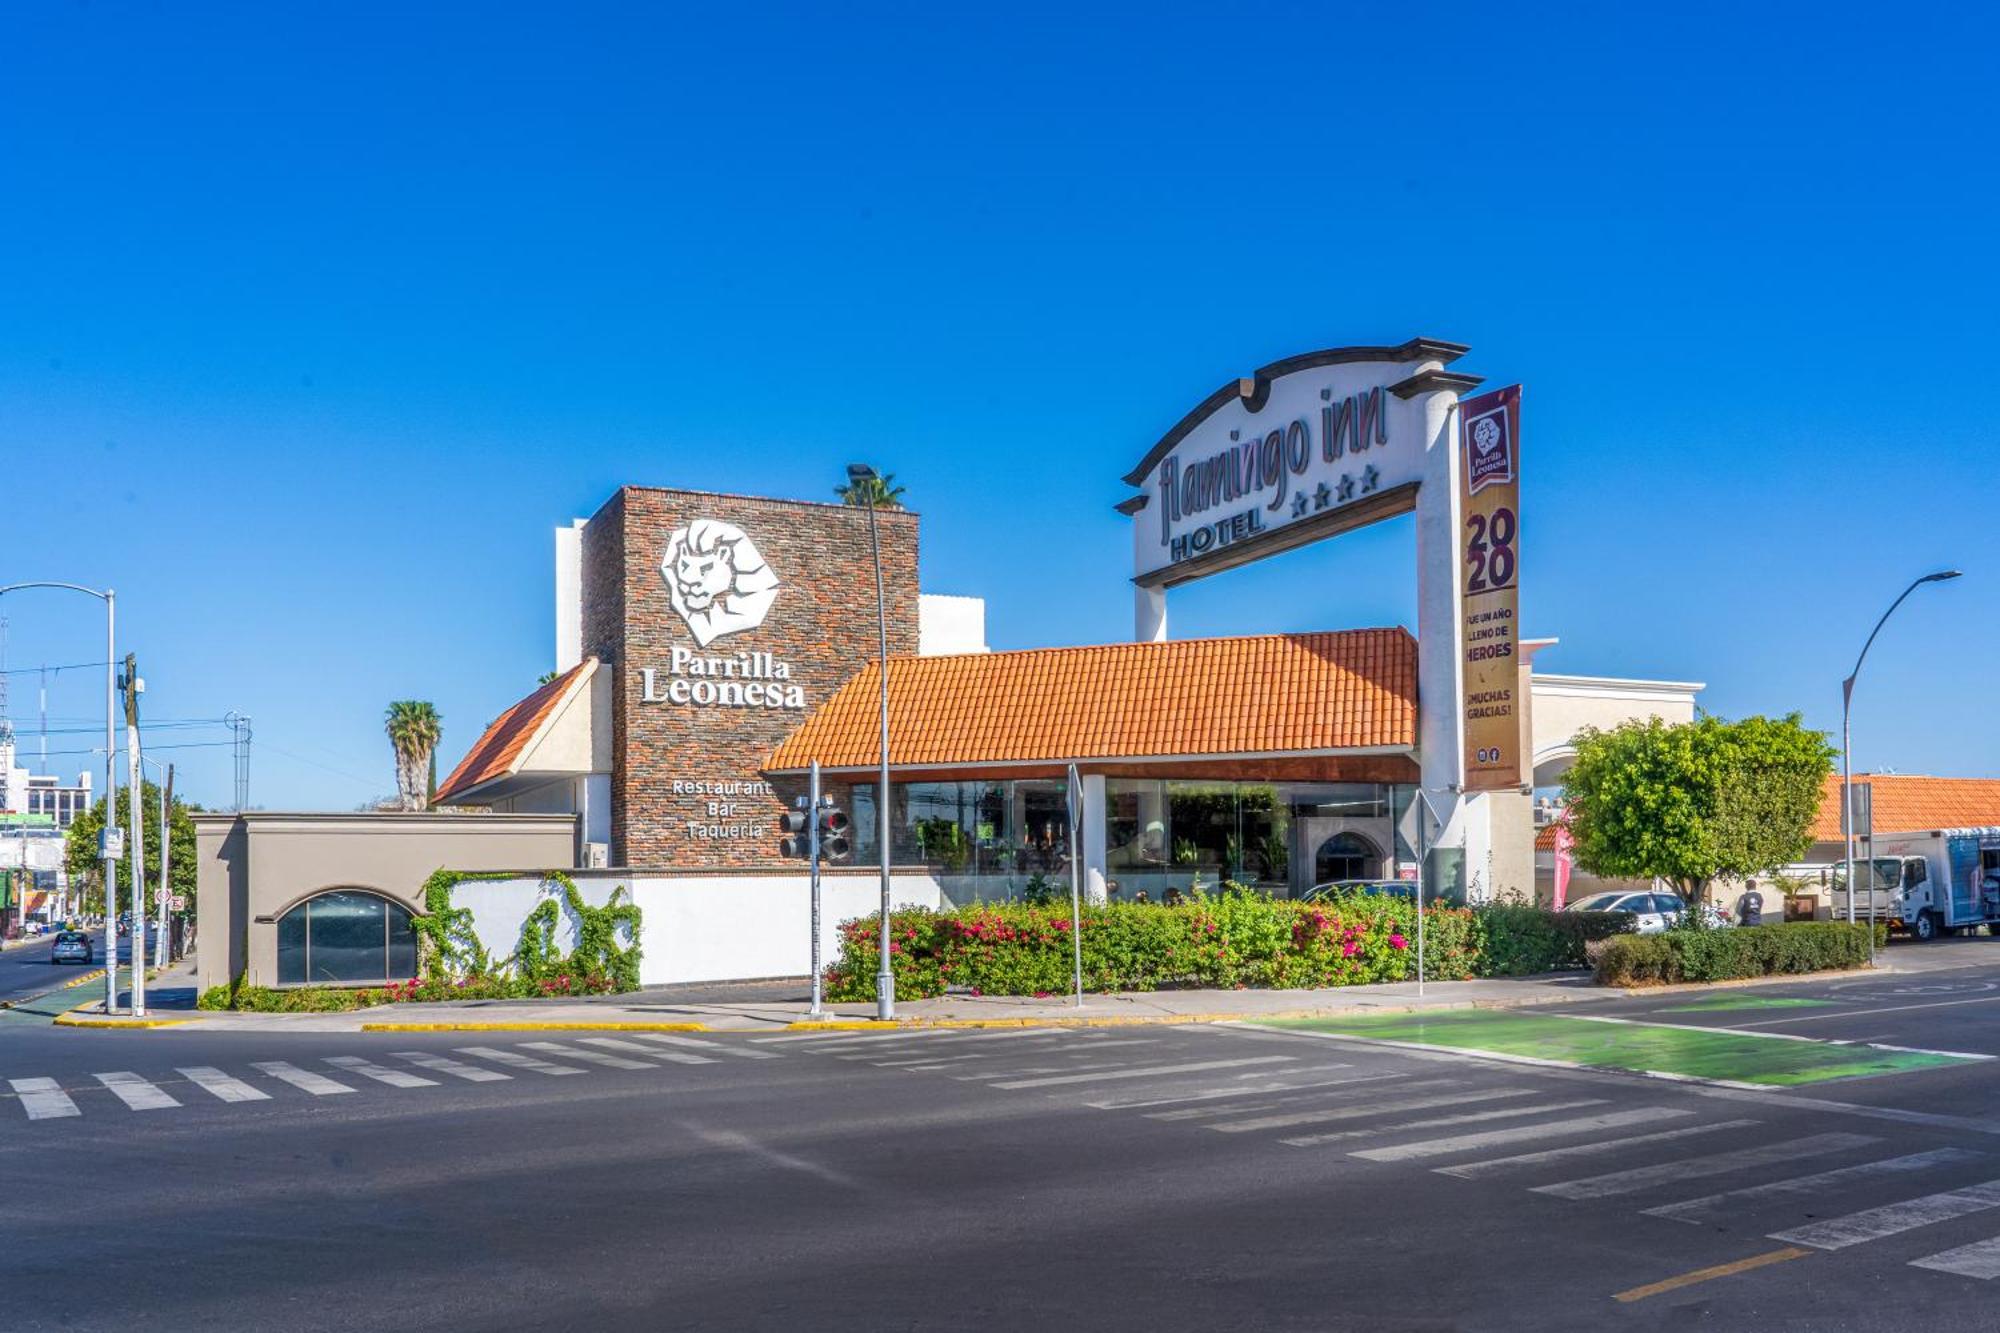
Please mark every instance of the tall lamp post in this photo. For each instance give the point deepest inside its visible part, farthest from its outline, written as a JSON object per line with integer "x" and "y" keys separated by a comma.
{"x": 108, "y": 863}
{"x": 863, "y": 477}
{"x": 1847, "y": 763}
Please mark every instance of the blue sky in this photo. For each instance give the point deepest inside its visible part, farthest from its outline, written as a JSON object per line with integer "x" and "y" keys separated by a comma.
{"x": 316, "y": 320}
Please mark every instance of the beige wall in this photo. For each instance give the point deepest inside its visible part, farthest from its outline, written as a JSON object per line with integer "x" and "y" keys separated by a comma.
{"x": 251, "y": 868}
{"x": 1565, "y": 705}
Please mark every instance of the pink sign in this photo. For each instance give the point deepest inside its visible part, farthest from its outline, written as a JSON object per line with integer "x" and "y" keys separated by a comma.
{"x": 1563, "y": 845}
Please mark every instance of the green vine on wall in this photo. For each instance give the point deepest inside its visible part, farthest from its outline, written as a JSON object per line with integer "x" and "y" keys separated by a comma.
{"x": 449, "y": 949}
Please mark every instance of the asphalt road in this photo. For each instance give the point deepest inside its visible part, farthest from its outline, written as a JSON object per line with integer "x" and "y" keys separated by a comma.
{"x": 1157, "y": 1178}
{"x": 26, "y": 969}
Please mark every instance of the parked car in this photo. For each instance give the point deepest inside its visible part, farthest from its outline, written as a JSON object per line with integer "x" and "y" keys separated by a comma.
{"x": 1653, "y": 911}
{"x": 1342, "y": 888}
{"x": 72, "y": 946}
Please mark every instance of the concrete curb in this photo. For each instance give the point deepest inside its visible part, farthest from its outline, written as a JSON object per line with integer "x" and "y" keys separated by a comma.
{"x": 70, "y": 1021}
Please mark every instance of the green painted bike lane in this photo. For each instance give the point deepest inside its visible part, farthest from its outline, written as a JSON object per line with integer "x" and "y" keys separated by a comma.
{"x": 1685, "y": 1052}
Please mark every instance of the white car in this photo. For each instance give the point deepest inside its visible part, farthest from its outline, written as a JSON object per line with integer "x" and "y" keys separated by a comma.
{"x": 1654, "y": 912}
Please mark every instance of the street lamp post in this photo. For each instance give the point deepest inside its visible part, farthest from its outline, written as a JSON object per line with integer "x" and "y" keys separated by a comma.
{"x": 107, "y": 863}
{"x": 1847, "y": 763}
{"x": 864, "y": 477}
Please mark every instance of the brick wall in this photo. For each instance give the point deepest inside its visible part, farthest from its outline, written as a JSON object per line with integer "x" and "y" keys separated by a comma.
{"x": 821, "y": 625}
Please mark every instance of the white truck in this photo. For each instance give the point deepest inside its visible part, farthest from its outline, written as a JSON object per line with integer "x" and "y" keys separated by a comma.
{"x": 1931, "y": 883}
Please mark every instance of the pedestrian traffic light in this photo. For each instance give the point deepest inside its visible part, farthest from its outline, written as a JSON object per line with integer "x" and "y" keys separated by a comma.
{"x": 797, "y": 842}
{"x": 833, "y": 825}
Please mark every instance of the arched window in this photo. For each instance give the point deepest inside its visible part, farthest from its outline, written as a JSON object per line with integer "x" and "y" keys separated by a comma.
{"x": 346, "y": 935}
{"x": 1345, "y": 856}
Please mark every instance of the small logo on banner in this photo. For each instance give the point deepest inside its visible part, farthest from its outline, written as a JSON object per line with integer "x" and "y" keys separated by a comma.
{"x": 1489, "y": 454}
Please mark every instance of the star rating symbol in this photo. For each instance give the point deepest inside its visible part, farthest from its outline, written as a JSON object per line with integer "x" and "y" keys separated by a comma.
{"x": 1346, "y": 487}
{"x": 1299, "y": 505}
{"x": 1321, "y": 497}
{"x": 1369, "y": 478}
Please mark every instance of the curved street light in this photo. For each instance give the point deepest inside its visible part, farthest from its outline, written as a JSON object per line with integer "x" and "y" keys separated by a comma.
{"x": 1847, "y": 764}
{"x": 110, "y": 599}
{"x": 863, "y": 476}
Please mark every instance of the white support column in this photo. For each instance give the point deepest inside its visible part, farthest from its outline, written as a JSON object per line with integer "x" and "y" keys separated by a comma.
{"x": 569, "y": 595}
{"x": 1094, "y": 847}
{"x": 1149, "y": 614}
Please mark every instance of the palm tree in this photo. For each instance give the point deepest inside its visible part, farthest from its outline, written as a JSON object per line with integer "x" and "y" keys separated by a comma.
{"x": 883, "y": 489}
{"x": 414, "y": 729}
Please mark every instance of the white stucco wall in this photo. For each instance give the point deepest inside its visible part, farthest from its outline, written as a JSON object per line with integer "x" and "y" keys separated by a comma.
{"x": 947, "y": 624}
{"x": 702, "y": 928}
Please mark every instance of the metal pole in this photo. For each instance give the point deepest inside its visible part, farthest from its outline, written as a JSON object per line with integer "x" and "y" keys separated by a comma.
{"x": 166, "y": 845}
{"x": 1847, "y": 794}
{"x": 110, "y": 867}
{"x": 1421, "y": 840}
{"x": 885, "y": 979}
{"x": 813, "y": 798}
{"x": 135, "y": 807}
{"x": 1075, "y": 884}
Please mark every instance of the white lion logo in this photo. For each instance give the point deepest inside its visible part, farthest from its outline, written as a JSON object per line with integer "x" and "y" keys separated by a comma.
{"x": 716, "y": 579}
{"x": 1486, "y": 434}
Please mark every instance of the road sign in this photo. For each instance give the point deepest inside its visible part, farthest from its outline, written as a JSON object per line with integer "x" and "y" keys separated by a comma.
{"x": 111, "y": 844}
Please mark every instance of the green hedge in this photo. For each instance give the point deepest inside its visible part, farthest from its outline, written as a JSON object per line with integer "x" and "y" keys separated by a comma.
{"x": 1521, "y": 941}
{"x": 1728, "y": 954}
{"x": 342, "y": 999}
{"x": 1229, "y": 940}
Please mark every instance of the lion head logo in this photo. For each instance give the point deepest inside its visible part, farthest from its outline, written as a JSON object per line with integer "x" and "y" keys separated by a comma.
{"x": 716, "y": 579}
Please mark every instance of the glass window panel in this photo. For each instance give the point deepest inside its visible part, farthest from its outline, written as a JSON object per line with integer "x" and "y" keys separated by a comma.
{"x": 292, "y": 947}
{"x": 1202, "y": 823}
{"x": 1264, "y": 819}
{"x": 402, "y": 944}
{"x": 345, "y": 938}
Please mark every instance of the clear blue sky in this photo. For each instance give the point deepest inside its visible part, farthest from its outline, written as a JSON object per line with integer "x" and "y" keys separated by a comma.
{"x": 316, "y": 320}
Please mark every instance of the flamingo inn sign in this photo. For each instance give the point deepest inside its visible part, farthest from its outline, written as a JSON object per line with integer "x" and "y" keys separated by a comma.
{"x": 1317, "y": 445}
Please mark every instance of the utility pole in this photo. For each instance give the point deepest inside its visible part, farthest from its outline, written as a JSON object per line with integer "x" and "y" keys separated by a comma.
{"x": 136, "y": 808}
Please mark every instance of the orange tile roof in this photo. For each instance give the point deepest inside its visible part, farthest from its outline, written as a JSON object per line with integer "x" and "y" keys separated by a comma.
{"x": 500, "y": 748}
{"x": 1274, "y": 693}
{"x": 1910, "y": 802}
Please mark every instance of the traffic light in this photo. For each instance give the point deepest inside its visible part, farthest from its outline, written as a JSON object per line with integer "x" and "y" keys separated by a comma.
{"x": 833, "y": 825}
{"x": 797, "y": 841}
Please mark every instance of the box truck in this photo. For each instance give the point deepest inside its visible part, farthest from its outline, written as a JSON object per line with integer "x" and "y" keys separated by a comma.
{"x": 1930, "y": 883}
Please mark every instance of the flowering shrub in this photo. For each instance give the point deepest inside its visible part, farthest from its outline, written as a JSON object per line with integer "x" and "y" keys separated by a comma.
{"x": 1232, "y": 940}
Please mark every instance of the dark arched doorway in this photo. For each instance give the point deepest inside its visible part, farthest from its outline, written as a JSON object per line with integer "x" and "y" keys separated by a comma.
{"x": 1345, "y": 856}
{"x": 346, "y": 936}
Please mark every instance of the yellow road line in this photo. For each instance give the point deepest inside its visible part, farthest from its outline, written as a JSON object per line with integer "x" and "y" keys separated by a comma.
{"x": 1709, "y": 1274}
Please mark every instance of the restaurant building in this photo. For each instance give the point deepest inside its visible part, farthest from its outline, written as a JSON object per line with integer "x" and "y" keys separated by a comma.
{"x": 710, "y": 647}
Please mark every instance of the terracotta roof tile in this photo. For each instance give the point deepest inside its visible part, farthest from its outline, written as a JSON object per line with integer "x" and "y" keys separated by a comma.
{"x": 496, "y": 752}
{"x": 1910, "y": 802}
{"x": 1346, "y": 690}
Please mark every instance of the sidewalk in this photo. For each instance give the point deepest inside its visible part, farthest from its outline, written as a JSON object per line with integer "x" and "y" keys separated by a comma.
{"x": 781, "y": 1005}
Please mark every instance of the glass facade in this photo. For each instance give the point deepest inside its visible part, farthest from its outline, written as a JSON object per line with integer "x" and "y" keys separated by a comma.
{"x": 345, "y": 937}
{"x": 988, "y": 840}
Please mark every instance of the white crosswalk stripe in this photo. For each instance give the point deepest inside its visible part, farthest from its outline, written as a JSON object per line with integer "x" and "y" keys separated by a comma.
{"x": 43, "y": 1098}
{"x": 1144, "y": 1071}
{"x": 677, "y": 1057}
{"x": 594, "y": 1057}
{"x": 731, "y": 1047}
{"x": 1717, "y": 1164}
{"x": 395, "y": 1078}
{"x": 456, "y": 1068}
{"x": 1393, "y": 1106}
{"x": 1520, "y": 1161}
{"x": 1711, "y": 1206}
{"x": 1227, "y": 1090}
{"x": 220, "y": 1085}
{"x": 518, "y": 1060}
{"x": 1441, "y": 1122}
{"x": 1981, "y": 1259}
{"x": 1837, "y": 1233}
{"x": 319, "y": 1085}
{"x": 138, "y": 1093}
{"x": 1555, "y": 1129}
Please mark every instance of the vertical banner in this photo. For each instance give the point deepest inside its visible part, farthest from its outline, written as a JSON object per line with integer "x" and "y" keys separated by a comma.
{"x": 1564, "y": 845}
{"x": 1489, "y": 433}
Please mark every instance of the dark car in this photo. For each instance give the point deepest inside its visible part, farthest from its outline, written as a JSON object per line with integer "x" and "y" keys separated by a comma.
{"x": 72, "y": 946}
{"x": 1343, "y": 888}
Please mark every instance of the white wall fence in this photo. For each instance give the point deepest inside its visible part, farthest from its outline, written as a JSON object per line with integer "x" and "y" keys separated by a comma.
{"x": 698, "y": 927}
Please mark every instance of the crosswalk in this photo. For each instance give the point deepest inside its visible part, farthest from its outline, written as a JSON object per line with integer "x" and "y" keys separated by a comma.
{"x": 41, "y": 1098}
{"x": 1667, "y": 1155}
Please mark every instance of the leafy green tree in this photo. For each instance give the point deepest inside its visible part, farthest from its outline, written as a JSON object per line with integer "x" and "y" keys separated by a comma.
{"x": 414, "y": 729}
{"x": 1693, "y": 802}
{"x": 883, "y": 488}
{"x": 86, "y": 871}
